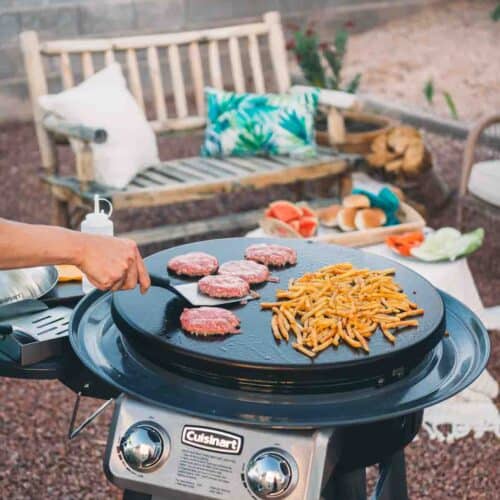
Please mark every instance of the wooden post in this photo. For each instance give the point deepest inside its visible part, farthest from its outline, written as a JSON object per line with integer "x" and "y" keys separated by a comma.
{"x": 66, "y": 71}
{"x": 336, "y": 127}
{"x": 84, "y": 163}
{"x": 236, "y": 66}
{"x": 157, "y": 83}
{"x": 277, "y": 48}
{"x": 256, "y": 64}
{"x": 38, "y": 86}
{"x": 197, "y": 77}
{"x": 134, "y": 78}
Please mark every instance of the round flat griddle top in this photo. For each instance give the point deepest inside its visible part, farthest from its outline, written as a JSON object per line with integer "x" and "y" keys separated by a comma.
{"x": 151, "y": 321}
{"x": 449, "y": 368}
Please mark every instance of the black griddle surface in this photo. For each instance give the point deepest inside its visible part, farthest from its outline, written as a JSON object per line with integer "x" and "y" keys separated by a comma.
{"x": 151, "y": 321}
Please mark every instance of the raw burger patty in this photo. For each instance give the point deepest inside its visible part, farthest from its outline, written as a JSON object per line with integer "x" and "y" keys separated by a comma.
{"x": 250, "y": 271}
{"x": 209, "y": 321}
{"x": 222, "y": 286}
{"x": 193, "y": 264}
{"x": 271, "y": 255}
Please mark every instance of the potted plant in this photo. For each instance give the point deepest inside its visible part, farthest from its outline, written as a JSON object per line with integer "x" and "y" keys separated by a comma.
{"x": 321, "y": 65}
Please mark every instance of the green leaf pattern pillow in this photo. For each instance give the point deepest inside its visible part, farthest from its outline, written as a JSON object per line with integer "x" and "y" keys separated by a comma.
{"x": 260, "y": 124}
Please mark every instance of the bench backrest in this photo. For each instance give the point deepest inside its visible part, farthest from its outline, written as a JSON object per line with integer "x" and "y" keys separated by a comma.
{"x": 164, "y": 54}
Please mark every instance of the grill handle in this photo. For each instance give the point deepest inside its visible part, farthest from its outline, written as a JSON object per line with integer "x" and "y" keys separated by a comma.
{"x": 165, "y": 283}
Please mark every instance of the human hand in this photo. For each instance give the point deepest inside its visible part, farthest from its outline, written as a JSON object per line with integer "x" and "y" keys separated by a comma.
{"x": 112, "y": 263}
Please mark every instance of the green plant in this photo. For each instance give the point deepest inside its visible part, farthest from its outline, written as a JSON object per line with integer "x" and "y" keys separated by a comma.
{"x": 451, "y": 105}
{"x": 495, "y": 13}
{"x": 428, "y": 92}
{"x": 321, "y": 62}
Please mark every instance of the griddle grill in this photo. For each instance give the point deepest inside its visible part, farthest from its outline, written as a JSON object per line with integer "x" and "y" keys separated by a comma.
{"x": 278, "y": 402}
{"x": 254, "y": 360}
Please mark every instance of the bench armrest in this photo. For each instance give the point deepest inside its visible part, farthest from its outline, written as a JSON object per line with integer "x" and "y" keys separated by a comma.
{"x": 335, "y": 98}
{"x": 74, "y": 130}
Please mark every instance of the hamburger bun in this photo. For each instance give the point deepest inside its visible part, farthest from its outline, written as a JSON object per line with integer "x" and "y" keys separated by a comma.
{"x": 369, "y": 218}
{"x": 345, "y": 218}
{"x": 328, "y": 215}
{"x": 356, "y": 201}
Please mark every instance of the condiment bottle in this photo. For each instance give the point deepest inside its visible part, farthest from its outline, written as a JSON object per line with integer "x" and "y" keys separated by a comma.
{"x": 97, "y": 222}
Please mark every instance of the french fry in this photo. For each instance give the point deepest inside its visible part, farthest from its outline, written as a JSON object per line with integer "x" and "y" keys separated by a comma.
{"x": 275, "y": 328}
{"x": 340, "y": 304}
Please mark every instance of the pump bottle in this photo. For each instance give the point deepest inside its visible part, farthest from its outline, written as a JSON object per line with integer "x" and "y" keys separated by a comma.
{"x": 97, "y": 222}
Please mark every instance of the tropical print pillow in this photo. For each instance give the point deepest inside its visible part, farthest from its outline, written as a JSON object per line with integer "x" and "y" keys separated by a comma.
{"x": 260, "y": 124}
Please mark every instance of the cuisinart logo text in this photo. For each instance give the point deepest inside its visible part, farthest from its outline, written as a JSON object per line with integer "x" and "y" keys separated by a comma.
{"x": 212, "y": 440}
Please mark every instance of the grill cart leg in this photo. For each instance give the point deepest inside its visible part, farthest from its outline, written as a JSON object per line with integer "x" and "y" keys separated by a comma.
{"x": 391, "y": 484}
{"x": 349, "y": 485}
{"x": 133, "y": 495}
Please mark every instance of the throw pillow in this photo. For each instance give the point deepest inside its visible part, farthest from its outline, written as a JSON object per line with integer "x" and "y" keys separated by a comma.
{"x": 103, "y": 101}
{"x": 260, "y": 124}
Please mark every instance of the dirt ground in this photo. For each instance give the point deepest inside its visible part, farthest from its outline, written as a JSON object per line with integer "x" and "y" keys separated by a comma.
{"x": 455, "y": 44}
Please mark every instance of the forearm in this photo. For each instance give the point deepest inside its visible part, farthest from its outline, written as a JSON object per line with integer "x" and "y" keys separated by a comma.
{"x": 25, "y": 245}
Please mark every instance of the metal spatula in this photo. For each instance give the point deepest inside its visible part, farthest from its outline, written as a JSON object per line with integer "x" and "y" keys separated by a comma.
{"x": 191, "y": 293}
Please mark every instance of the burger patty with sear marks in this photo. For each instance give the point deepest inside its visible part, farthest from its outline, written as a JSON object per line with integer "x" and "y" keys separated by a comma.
{"x": 193, "y": 264}
{"x": 271, "y": 255}
{"x": 222, "y": 286}
{"x": 209, "y": 321}
{"x": 250, "y": 271}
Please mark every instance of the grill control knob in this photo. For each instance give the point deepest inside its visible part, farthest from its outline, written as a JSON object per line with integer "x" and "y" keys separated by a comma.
{"x": 145, "y": 446}
{"x": 271, "y": 473}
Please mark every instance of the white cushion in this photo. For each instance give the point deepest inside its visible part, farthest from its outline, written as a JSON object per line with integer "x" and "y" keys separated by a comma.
{"x": 104, "y": 101}
{"x": 484, "y": 181}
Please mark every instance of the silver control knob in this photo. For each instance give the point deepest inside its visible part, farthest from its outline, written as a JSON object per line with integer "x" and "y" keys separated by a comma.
{"x": 271, "y": 473}
{"x": 145, "y": 446}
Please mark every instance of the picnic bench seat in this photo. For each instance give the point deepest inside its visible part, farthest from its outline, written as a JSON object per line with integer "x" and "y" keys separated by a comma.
{"x": 182, "y": 179}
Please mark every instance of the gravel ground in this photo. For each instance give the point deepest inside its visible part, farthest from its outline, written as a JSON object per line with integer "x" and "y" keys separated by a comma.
{"x": 455, "y": 44}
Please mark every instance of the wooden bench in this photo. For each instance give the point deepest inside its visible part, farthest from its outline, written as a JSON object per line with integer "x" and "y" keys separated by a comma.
{"x": 183, "y": 179}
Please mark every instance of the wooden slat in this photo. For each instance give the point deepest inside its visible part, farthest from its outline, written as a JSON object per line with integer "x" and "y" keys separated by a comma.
{"x": 251, "y": 164}
{"x": 236, "y": 67}
{"x": 177, "y": 170}
{"x": 87, "y": 64}
{"x": 256, "y": 64}
{"x": 225, "y": 166}
{"x": 214, "y": 65}
{"x": 134, "y": 77}
{"x": 207, "y": 170}
{"x": 192, "y": 172}
{"x": 177, "y": 81}
{"x": 161, "y": 176}
{"x": 145, "y": 41}
{"x": 197, "y": 77}
{"x": 167, "y": 170}
{"x": 278, "y": 51}
{"x": 157, "y": 83}
{"x": 109, "y": 57}
{"x": 213, "y": 169}
{"x": 151, "y": 175}
{"x": 198, "y": 190}
{"x": 66, "y": 71}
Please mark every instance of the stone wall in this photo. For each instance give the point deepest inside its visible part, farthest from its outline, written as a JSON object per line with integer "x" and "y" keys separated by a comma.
{"x": 89, "y": 18}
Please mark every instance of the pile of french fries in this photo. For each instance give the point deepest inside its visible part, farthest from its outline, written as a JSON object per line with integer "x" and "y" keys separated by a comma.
{"x": 339, "y": 303}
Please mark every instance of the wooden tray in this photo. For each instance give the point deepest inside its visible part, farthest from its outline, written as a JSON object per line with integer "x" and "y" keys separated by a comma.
{"x": 410, "y": 219}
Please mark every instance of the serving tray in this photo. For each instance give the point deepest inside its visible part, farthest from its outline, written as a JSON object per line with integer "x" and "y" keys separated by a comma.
{"x": 410, "y": 219}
